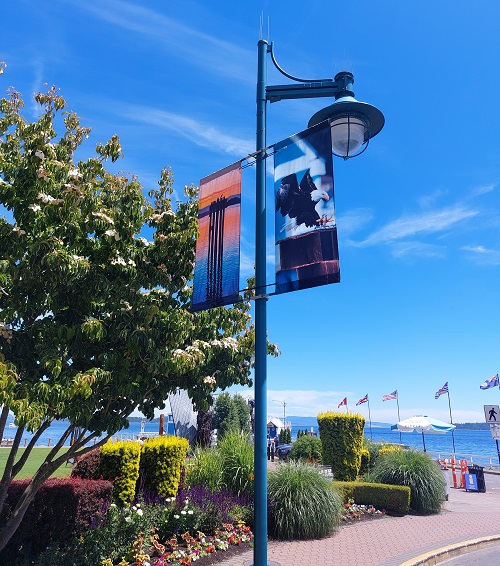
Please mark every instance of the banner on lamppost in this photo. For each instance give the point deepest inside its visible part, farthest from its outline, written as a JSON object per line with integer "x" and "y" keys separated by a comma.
{"x": 217, "y": 262}
{"x": 305, "y": 224}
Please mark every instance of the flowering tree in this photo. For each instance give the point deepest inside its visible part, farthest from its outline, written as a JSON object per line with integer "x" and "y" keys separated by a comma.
{"x": 94, "y": 317}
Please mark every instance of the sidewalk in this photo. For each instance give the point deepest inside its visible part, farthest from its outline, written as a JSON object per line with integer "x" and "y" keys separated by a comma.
{"x": 393, "y": 541}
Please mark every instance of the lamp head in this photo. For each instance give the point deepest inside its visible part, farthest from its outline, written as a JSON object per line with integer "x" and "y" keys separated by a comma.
{"x": 352, "y": 123}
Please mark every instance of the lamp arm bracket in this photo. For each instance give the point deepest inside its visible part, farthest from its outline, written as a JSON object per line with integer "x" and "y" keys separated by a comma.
{"x": 270, "y": 50}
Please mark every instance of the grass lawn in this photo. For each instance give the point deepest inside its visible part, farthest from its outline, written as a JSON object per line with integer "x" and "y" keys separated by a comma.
{"x": 34, "y": 461}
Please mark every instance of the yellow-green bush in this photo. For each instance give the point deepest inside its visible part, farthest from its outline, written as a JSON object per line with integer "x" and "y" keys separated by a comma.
{"x": 389, "y": 449}
{"x": 365, "y": 461}
{"x": 119, "y": 463}
{"x": 342, "y": 441}
{"x": 394, "y": 499}
{"x": 162, "y": 459}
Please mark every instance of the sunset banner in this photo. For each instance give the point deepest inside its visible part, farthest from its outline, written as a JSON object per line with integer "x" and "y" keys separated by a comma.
{"x": 217, "y": 263}
{"x": 305, "y": 224}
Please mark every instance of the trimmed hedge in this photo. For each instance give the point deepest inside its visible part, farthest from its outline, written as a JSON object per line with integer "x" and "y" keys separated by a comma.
{"x": 162, "y": 459}
{"x": 342, "y": 437}
{"x": 87, "y": 467}
{"x": 61, "y": 509}
{"x": 119, "y": 463}
{"x": 394, "y": 499}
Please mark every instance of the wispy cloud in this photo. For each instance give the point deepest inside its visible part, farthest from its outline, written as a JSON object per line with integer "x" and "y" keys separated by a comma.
{"x": 197, "y": 48}
{"x": 353, "y": 220}
{"x": 482, "y": 190}
{"x": 419, "y": 249}
{"x": 427, "y": 201}
{"x": 200, "y": 133}
{"x": 482, "y": 255}
{"x": 425, "y": 223}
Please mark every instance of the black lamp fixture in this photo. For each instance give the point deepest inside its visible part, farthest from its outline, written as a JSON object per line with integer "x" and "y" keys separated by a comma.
{"x": 353, "y": 123}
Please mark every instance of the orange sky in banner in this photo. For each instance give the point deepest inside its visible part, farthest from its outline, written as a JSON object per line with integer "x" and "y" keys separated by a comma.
{"x": 227, "y": 185}
{"x": 231, "y": 228}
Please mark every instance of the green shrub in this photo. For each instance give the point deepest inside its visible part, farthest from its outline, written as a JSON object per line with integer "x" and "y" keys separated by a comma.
{"x": 394, "y": 499}
{"x": 417, "y": 471}
{"x": 303, "y": 504}
{"x": 236, "y": 453}
{"x": 306, "y": 448}
{"x": 162, "y": 459}
{"x": 342, "y": 442}
{"x": 365, "y": 461}
{"x": 119, "y": 463}
{"x": 204, "y": 468}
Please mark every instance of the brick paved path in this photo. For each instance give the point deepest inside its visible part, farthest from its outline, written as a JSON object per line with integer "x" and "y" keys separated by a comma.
{"x": 389, "y": 541}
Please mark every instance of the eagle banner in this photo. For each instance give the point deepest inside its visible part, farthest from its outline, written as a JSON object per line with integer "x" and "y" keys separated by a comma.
{"x": 217, "y": 261}
{"x": 305, "y": 225}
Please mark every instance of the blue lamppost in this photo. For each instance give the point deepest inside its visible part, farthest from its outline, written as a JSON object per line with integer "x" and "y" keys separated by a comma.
{"x": 353, "y": 124}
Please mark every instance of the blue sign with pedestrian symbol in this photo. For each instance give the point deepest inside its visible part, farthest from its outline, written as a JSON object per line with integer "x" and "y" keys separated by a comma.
{"x": 470, "y": 482}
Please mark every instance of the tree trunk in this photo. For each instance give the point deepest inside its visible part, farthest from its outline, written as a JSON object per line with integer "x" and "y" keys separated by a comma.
{"x": 3, "y": 420}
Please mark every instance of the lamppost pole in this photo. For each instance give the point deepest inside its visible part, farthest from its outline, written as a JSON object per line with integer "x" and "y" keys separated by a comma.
{"x": 260, "y": 375}
{"x": 352, "y": 124}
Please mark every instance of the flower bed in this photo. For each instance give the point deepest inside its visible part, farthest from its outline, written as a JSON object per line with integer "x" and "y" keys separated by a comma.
{"x": 353, "y": 513}
{"x": 187, "y": 549}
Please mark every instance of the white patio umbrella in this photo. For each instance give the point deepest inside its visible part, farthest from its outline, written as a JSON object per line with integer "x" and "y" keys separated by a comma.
{"x": 423, "y": 423}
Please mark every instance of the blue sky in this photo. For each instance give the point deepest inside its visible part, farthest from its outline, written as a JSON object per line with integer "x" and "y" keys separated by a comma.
{"x": 417, "y": 213}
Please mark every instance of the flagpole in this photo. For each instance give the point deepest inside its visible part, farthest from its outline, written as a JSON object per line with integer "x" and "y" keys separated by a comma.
{"x": 451, "y": 421}
{"x": 399, "y": 418}
{"x": 369, "y": 417}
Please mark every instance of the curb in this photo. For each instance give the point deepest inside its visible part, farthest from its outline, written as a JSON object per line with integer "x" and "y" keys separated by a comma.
{"x": 441, "y": 554}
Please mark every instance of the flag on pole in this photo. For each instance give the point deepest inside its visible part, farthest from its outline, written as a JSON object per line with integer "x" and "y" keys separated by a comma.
{"x": 389, "y": 396}
{"x": 343, "y": 402}
{"x": 491, "y": 382}
{"x": 363, "y": 400}
{"x": 441, "y": 391}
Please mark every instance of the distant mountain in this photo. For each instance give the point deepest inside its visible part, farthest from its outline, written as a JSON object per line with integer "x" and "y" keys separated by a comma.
{"x": 313, "y": 421}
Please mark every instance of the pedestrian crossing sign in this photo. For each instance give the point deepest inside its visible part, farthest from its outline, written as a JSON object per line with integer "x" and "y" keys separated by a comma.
{"x": 492, "y": 414}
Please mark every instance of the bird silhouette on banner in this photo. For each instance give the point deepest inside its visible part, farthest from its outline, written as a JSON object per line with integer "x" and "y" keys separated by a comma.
{"x": 299, "y": 200}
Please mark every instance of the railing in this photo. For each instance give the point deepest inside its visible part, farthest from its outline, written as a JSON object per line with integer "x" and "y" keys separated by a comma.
{"x": 490, "y": 462}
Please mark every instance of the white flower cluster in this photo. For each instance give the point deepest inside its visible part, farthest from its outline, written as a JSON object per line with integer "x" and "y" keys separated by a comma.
{"x": 120, "y": 261}
{"x": 47, "y": 199}
{"x": 35, "y": 207}
{"x": 210, "y": 380}
{"x": 135, "y": 510}
{"x": 103, "y": 216}
{"x": 113, "y": 234}
{"x": 74, "y": 174}
{"x": 18, "y": 231}
{"x": 157, "y": 218}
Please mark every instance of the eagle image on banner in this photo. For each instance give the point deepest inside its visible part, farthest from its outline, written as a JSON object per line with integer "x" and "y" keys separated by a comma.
{"x": 305, "y": 225}
{"x": 217, "y": 262}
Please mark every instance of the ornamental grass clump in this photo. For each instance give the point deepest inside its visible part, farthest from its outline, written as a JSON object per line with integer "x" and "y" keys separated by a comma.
{"x": 236, "y": 453}
{"x": 302, "y": 502}
{"x": 417, "y": 471}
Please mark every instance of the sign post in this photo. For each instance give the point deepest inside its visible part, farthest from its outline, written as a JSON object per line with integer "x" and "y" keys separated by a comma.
{"x": 492, "y": 416}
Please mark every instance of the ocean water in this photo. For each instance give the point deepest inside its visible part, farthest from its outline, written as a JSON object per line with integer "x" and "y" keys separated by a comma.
{"x": 56, "y": 429}
{"x": 475, "y": 444}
